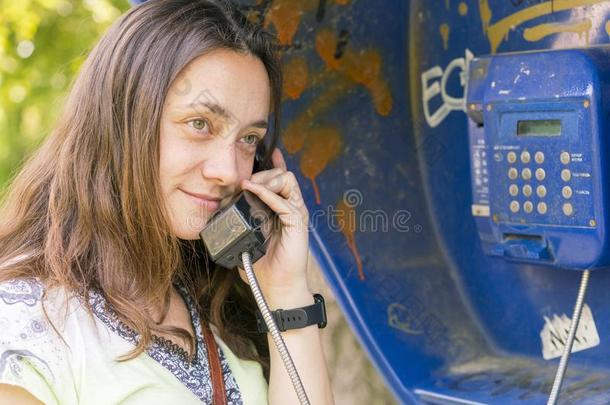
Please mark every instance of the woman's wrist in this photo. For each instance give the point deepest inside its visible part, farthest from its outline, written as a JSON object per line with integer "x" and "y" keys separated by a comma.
{"x": 288, "y": 297}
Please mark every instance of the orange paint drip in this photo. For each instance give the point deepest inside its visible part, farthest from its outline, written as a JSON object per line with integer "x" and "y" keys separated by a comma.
{"x": 538, "y": 32}
{"x": 297, "y": 77}
{"x": 498, "y": 31}
{"x": 296, "y": 132}
{"x": 463, "y": 8}
{"x": 362, "y": 67}
{"x": 294, "y": 137}
{"x": 346, "y": 218}
{"x": 444, "y": 31}
{"x": 485, "y": 13}
{"x": 323, "y": 146}
{"x": 286, "y": 16}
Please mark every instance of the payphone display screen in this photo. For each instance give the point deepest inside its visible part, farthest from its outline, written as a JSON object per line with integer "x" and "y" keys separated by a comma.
{"x": 539, "y": 128}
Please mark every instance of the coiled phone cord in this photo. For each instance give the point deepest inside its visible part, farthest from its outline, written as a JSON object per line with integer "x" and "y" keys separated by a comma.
{"x": 563, "y": 362}
{"x": 275, "y": 333}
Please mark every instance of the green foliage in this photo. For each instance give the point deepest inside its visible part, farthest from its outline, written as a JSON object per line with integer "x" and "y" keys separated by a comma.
{"x": 42, "y": 46}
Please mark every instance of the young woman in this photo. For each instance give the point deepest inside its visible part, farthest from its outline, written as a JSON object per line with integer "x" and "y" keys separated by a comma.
{"x": 106, "y": 294}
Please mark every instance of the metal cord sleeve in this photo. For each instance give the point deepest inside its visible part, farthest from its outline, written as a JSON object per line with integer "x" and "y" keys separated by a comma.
{"x": 563, "y": 362}
{"x": 275, "y": 333}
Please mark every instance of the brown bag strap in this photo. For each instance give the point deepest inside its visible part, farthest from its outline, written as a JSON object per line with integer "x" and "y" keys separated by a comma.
{"x": 218, "y": 383}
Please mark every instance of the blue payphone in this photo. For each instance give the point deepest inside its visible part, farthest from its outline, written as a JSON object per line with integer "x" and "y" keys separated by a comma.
{"x": 539, "y": 164}
{"x": 539, "y": 161}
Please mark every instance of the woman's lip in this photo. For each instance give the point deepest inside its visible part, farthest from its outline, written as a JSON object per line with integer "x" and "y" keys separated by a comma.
{"x": 211, "y": 205}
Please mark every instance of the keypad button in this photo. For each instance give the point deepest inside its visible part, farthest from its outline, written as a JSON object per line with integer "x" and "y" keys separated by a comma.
{"x": 540, "y": 174}
{"x": 525, "y": 156}
{"x": 541, "y": 207}
{"x": 514, "y": 206}
{"x": 567, "y": 209}
{"x": 527, "y": 190}
{"x": 566, "y": 192}
{"x": 513, "y": 190}
{"x": 541, "y": 191}
{"x": 511, "y": 157}
{"x": 513, "y": 173}
{"x": 539, "y": 157}
{"x": 566, "y": 175}
{"x": 564, "y": 158}
{"x": 528, "y": 206}
{"x": 526, "y": 174}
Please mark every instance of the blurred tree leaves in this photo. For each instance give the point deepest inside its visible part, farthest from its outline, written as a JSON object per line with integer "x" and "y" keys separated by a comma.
{"x": 42, "y": 46}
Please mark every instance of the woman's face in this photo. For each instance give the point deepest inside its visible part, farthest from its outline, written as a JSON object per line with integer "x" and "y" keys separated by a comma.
{"x": 215, "y": 113}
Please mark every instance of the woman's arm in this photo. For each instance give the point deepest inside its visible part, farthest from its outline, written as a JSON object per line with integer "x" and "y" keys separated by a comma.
{"x": 305, "y": 348}
{"x": 13, "y": 394}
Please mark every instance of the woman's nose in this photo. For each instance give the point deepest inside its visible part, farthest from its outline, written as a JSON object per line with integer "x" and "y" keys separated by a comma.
{"x": 221, "y": 164}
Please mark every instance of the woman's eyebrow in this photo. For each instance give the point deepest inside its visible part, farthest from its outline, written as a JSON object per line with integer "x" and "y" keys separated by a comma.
{"x": 223, "y": 113}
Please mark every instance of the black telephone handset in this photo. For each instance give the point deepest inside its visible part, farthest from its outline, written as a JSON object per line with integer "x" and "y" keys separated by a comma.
{"x": 244, "y": 224}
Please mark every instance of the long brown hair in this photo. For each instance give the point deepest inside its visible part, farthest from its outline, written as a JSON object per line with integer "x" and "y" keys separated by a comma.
{"x": 85, "y": 207}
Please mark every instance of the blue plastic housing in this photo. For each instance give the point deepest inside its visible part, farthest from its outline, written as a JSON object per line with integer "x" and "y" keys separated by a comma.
{"x": 539, "y": 161}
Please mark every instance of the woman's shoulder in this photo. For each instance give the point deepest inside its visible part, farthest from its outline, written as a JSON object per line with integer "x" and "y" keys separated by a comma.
{"x": 29, "y": 297}
{"x": 34, "y": 312}
{"x": 32, "y": 353}
{"x": 30, "y": 313}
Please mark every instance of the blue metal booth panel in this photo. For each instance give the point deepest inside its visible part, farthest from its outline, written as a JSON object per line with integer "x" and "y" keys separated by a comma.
{"x": 374, "y": 126}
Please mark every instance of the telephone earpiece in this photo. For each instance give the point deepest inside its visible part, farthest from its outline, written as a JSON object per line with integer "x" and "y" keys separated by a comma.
{"x": 259, "y": 163}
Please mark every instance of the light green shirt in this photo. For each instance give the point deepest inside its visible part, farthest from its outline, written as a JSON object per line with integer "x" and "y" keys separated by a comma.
{"x": 84, "y": 370}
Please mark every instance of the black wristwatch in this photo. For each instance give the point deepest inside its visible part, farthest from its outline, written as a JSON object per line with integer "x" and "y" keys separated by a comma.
{"x": 296, "y": 318}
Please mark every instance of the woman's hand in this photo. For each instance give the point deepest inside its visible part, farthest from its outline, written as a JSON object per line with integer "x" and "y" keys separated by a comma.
{"x": 281, "y": 272}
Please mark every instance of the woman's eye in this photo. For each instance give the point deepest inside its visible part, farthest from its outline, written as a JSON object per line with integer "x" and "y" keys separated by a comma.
{"x": 200, "y": 124}
{"x": 254, "y": 139}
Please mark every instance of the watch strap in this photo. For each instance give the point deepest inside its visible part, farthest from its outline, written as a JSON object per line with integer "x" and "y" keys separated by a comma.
{"x": 296, "y": 318}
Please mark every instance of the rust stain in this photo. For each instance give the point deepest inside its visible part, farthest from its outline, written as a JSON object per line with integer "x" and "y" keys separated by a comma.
{"x": 498, "y": 32}
{"x": 323, "y": 146}
{"x": 296, "y": 76}
{"x": 444, "y": 30}
{"x": 346, "y": 218}
{"x": 362, "y": 66}
{"x": 286, "y": 16}
{"x": 543, "y": 30}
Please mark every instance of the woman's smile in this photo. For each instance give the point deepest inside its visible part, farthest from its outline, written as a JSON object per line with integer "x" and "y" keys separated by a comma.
{"x": 209, "y": 204}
